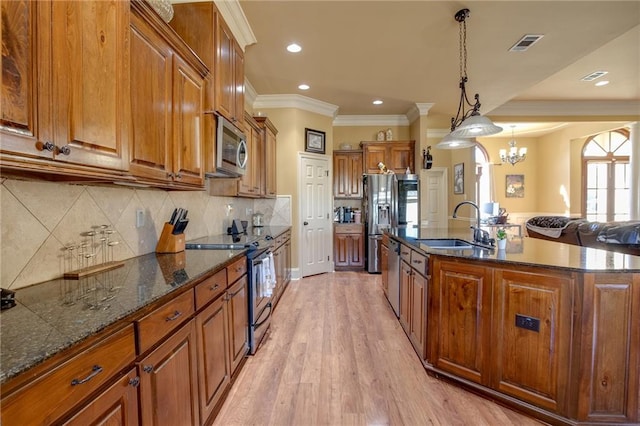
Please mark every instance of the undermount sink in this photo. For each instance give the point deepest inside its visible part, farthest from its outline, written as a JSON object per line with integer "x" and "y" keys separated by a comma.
{"x": 447, "y": 243}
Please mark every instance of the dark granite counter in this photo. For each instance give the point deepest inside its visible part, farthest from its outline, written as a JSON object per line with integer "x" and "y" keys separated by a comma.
{"x": 526, "y": 251}
{"x": 58, "y": 314}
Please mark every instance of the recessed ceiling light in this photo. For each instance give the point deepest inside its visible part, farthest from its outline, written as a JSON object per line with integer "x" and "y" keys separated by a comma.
{"x": 294, "y": 48}
{"x": 594, "y": 75}
{"x": 377, "y": 102}
{"x": 602, "y": 83}
{"x": 303, "y": 87}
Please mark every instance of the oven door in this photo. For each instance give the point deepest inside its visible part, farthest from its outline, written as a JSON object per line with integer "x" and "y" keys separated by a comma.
{"x": 260, "y": 301}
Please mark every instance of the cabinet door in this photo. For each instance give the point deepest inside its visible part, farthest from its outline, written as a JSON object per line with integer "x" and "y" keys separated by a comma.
{"x": 238, "y": 322}
{"x": 151, "y": 91}
{"x": 90, "y": 92}
{"x": 341, "y": 249}
{"x": 224, "y": 71}
{"x": 188, "y": 124}
{"x": 270, "y": 164}
{"x": 374, "y": 154}
{"x": 355, "y": 170}
{"x": 214, "y": 369}
{"x": 462, "y": 335}
{"x": 287, "y": 262}
{"x": 341, "y": 175}
{"x": 238, "y": 85}
{"x": 532, "y": 314}
{"x": 384, "y": 266}
{"x": 418, "y": 315}
{"x": 118, "y": 405}
{"x": 400, "y": 156}
{"x": 249, "y": 183}
{"x": 169, "y": 383}
{"x": 405, "y": 296}
{"x": 356, "y": 250}
{"x": 20, "y": 76}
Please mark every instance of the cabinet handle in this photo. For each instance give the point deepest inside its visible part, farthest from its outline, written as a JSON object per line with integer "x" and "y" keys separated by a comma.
{"x": 179, "y": 176}
{"x": 170, "y": 175}
{"x": 134, "y": 382}
{"x": 214, "y": 287}
{"x": 94, "y": 371}
{"x": 147, "y": 368}
{"x": 417, "y": 261}
{"x": 64, "y": 150}
{"x": 173, "y": 317}
{"x": 48, "y": 146}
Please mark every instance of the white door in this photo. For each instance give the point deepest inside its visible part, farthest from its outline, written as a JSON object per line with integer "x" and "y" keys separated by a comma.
{"x": 315, "y": 214}
{"x": 435, "y": 204}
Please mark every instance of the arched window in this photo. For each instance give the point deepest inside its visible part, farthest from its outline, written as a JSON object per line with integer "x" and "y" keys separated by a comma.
{"x": 484, "y": 177}
{"x": 606, "y": 176}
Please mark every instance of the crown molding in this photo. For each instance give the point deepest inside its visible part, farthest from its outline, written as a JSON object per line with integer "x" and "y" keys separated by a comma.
{"x": 295, "y": 101}
{"x": 237, "y": 21}
{"x": 437, "y": 133}
{"x": 250, "y": 93}
{"x": 568, "y": 108}
{"x": 370, "y": 120}
{"x": 418, "y": 110}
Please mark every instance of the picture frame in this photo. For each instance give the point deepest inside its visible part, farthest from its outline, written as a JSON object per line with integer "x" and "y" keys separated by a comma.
{"x": 458, "y": 178}
{"x": 514, "y": 186}
{"x": 314, "y": 141}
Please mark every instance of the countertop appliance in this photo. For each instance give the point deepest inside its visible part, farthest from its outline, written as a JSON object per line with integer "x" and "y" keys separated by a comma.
{"x": 377, "y": 205}
{"x": 394, "y": 276}
{"x": 232, "y": 154}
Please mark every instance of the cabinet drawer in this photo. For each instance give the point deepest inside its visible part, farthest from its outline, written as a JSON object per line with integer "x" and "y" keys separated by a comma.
{"x": 211, "y": 288}
{"x": 420, "y": 262}
{"x": 55, "y": 393}
{"x": 160, "y": 322}
{"x": 236, "y": 270}
{"x": 349, "y": 229}
{"x": 405, "y": 253}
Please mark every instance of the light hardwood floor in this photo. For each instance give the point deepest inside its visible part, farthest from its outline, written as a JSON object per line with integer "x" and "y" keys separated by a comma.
{"x": 336, "y": 355}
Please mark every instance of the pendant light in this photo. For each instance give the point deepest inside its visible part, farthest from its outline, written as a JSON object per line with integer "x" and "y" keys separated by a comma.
{"x": 466, "y": 124}
{"x": 514, "y": 155}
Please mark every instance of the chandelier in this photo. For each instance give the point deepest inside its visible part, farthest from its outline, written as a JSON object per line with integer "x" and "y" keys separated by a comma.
{"x": 513, "y": 156}
{"x": 468, "y": 123}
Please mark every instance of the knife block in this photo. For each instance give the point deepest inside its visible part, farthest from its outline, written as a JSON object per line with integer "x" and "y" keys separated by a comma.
{"x": 168, "y": 242}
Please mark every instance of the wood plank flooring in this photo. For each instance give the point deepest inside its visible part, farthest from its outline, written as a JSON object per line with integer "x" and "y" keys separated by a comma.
{"x": 336, "y": 355}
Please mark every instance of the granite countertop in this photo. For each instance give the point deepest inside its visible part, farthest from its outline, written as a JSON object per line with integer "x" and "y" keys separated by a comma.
{"x": 526, "y": 251}
{"x": 58, "y": 314}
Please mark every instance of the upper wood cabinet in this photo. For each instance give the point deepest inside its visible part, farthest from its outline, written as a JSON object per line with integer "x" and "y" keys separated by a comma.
{"x": 268, "y": 164}
{"x": 347, "y": 174}
{"x": 251, "y": 183}
{"x": 167, "y": 100}
{"x": 65, "y": 86}
{"x": 397, "y": 156}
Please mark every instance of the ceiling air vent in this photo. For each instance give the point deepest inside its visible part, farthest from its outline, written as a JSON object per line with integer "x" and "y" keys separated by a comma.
{"x": 525, "y": 42}
{"x": 594, "y": 75}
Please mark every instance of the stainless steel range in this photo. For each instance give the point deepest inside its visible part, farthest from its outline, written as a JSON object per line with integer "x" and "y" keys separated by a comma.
{"x": 261, "y": 276}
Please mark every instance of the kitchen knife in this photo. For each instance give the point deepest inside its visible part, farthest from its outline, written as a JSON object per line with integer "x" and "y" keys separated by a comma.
{"x": 173, "y": 217}
{"x": 180, "y": 227}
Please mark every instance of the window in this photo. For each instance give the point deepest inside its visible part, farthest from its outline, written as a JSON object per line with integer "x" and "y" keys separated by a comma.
{"x": 484, "y": 178}
{"x": 606, "y": 177}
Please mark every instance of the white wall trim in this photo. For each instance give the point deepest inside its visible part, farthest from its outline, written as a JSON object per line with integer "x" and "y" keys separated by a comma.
{"x": 418, "y": 110}
{"x": 295, "y": 101}
{"x": 568, "y": 108}
{"x": 237, "y": 21}
{"x": 437, "y": 133}
{"x": 370, "y": 120}
{"x": 250, "y": 94}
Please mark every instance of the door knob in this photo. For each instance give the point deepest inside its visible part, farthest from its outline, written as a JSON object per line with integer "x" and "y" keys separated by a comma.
{"x": 305, "y": 223}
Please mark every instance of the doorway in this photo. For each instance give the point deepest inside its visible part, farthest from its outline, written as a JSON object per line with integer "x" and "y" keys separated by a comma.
{"x": 436, "y": 201}
{"x": 315, "y": 214}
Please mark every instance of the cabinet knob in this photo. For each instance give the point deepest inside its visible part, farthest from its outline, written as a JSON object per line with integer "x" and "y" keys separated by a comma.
{"x": 214, "y": 287}
{"x": 64, "y": 150}
{"x": 179, "y": 176}
{"x": 170, "y": 175}
{"x": 134, "y": 382}
{"x": 147, "y": 368}
{"x": 48, "y": 146}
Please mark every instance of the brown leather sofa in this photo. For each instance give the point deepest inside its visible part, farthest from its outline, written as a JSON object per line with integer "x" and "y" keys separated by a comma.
{"x": 622, "y": 237}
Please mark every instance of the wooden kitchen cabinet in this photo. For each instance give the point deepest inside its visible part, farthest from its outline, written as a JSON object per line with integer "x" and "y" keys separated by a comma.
{"x": 397, "y": 156}
{"x": 413, "y": 299}
{"x": 405, "y": 296}
{"x": 347, "y": 174}
{"x": 169, "y": 381}
{"x": 348, "y": 243}
{"x": 251, "y": 183}
{"x": 282, "y": 261}
{"x": 167, "y": 99}
{"x": 531, "y": 348}
{"x": 268, "y": 165}
{"x": 65, "y": 107}
{"x": 118, "y": 405}
{"x": 384, "y": 264}
{"x": 229, "y": 75}
{"x": 237, "y": 304}
{"x": 460, "y": 336}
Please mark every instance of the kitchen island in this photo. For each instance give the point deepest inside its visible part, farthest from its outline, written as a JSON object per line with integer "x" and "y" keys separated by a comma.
{"x": 547, "y": 328}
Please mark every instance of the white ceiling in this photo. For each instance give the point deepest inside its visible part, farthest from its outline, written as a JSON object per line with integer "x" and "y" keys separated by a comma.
{"x": 406, "y": 52}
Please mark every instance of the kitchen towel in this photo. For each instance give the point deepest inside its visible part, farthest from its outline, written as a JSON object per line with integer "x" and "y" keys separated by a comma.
{"x": 268, "y": 282}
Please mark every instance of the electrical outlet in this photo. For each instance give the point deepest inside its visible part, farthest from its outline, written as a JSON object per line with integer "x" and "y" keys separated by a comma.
{"x": 139, "y": 218}
{"x": 248, "y": 211}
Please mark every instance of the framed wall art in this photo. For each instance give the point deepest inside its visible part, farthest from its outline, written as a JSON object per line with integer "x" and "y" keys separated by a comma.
{"x": 314, "y": 141}
{"x": 458, "y": 178}
{"x": 514, "y": 186}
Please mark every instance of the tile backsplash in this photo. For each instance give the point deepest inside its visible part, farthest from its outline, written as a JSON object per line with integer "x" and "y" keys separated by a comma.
{"x": 38, "y": 219}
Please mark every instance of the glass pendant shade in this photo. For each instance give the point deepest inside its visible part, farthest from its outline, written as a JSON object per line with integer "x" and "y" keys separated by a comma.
{"x": 476, "y": 125}
{"x": 452, "y": 142}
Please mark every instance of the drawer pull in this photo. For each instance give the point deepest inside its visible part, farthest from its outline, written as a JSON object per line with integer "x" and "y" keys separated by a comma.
{"x": 214, "y": 287}
{"x": 147, "y": 368}
{"x": 417, "y": 261}
{"x": 94, "y": 371}
{"x": 173, "y": 317}
{"x": 135, "y": 382}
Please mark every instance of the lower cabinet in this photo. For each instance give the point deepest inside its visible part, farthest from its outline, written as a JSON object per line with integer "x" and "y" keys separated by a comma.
{"x": 237, "y": 304}
{"x": 384, "y": 266}
{"x": 169, "y": 381}
{"x": 413, "y": 307}
{"x": 348, "y": 247}
{"x": 118, "y": 405}
{"x": 282, "y": 263}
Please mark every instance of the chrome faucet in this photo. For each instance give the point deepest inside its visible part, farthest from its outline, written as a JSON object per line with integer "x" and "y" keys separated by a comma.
{"x": 479, "y": 235}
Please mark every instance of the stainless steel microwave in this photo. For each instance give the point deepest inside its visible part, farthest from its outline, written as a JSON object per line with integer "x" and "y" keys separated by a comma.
{"x": 231, "y": 152}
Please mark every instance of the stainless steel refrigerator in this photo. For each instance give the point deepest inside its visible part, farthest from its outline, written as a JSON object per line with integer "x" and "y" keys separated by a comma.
{"x": 389, "y": 201}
